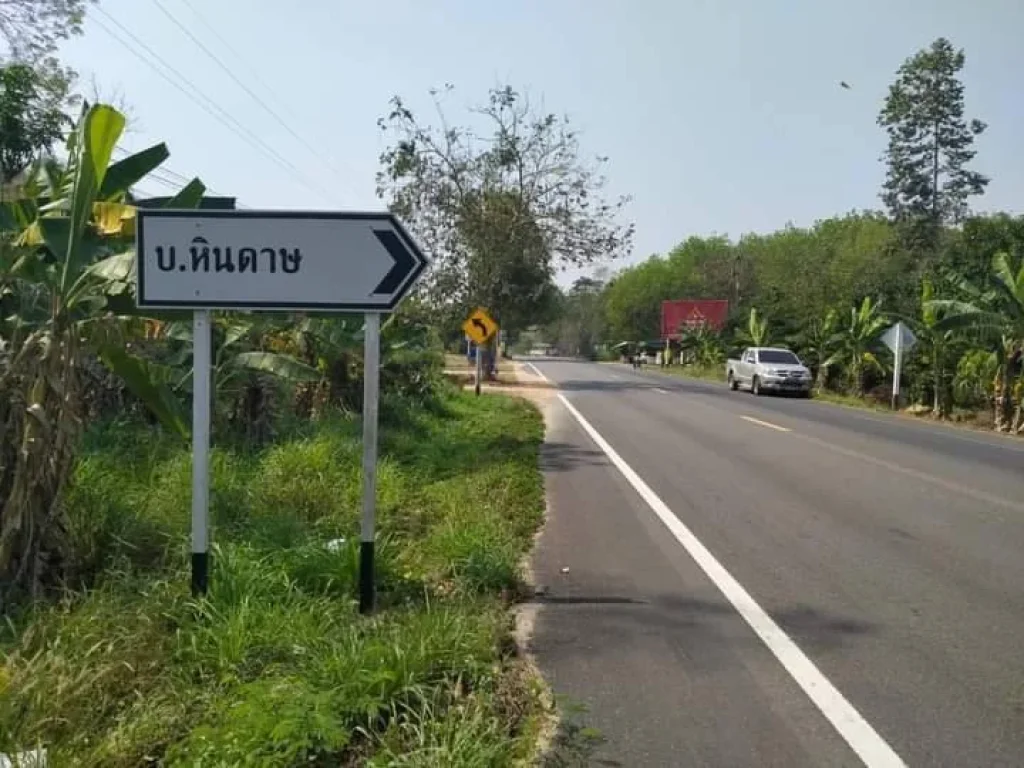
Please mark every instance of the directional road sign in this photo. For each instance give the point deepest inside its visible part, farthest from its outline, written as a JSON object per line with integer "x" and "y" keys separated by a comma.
{"x": 899, "y": 338}
{"x": 274, "y": 260}
{"x": 480, "y": 326}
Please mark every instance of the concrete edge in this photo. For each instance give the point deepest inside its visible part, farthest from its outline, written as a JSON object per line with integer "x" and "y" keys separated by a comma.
{"x": 524, "y": 619}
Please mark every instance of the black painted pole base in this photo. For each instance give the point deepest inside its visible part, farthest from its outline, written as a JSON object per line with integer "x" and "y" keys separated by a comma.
{"x": 366, "y": 591}
{"x": 200, "y": 573}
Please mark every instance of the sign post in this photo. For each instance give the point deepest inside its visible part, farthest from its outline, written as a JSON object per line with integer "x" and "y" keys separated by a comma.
{"x": 480, "y": 327}
{"x": 371, "y": 403}
{"x": 201, "y": 402}
{"x": 479, "y": 369}
{"x": 275, "y": 261}
{"x": 900, "y": 339}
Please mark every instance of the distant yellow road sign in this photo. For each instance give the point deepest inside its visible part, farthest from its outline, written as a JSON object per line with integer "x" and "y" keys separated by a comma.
{"x": 480, "y": 326}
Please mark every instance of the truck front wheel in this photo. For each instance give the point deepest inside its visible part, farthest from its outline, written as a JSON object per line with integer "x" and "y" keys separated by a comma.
{"x": 755, "y": 386}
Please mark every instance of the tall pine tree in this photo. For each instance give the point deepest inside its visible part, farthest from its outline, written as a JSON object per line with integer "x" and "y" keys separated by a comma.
{"x": 930, "y": 144}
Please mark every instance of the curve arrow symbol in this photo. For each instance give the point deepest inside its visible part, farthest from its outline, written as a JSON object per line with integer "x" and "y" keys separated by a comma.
{"x": 481, "y": 325}
{"x": 404, "y": 262}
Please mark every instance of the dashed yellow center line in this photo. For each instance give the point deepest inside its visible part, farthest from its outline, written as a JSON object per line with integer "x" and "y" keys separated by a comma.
{"x": 768, "y": 424}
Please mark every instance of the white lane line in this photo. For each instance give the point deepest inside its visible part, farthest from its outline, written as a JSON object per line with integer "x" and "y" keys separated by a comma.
{"x": 872, "y": 749}
{"x": 537, "y": 371}
{"x": 768, "y": 424}
{"x": 661, "y": 391}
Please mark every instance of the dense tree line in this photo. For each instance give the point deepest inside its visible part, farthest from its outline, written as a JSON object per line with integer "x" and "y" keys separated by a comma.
{"x": 830, "y": 290}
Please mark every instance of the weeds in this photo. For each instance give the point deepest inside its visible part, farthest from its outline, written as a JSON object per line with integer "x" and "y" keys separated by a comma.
{"x": 275, "y": 667}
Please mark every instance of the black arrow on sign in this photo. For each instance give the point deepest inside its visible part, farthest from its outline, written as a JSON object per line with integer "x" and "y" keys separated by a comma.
{"x": 481, "y": 325}
{"x": 404, "y": 264}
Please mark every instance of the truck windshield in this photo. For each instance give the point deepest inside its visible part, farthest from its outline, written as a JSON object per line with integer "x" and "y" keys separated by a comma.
{"x": 777, "y": 356}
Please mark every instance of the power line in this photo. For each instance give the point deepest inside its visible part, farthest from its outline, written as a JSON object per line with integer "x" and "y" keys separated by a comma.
{"x": 210, "y": 107}
{"x": 227, "y": 70}
{"x": 228, "y": 46}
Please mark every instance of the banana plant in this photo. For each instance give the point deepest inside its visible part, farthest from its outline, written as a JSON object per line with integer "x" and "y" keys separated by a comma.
{"x": 855, "y": 343}
{"x": 994, "y": 313}
{"x": 818, "y": 340}
{"x": 69, "y": 252}
{"x": 244, "y": 371}
{"x": 757, "y": 333}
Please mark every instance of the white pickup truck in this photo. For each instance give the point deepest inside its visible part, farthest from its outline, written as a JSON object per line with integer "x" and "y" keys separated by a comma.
{"x": 764, "y": 369}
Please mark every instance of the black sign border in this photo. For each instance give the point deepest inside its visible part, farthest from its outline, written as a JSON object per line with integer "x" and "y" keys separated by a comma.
{"x": 141, "y": 214}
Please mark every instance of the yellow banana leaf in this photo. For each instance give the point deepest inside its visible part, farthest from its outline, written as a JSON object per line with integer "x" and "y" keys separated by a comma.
{"x": 111, "y": 219}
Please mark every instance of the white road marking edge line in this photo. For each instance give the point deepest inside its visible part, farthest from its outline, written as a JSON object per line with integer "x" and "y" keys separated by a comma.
{"x": 768, "y": 424}
{"x": 537, "y": 371}
{"x": 872, "y": 749}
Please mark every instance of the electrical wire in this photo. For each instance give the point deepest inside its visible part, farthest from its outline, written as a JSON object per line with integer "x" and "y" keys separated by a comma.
{"x": 234, "y": 52}
{"x": 228, "y": 71}
{"x": 210, "y": 107}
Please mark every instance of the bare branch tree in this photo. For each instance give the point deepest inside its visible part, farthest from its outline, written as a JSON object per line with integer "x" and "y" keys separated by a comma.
{"x": 32, "y": 29}
{"x": 502, "y": 209}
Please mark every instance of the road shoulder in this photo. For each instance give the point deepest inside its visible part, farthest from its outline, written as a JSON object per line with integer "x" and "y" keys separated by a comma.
{"x": 627, "y": 627}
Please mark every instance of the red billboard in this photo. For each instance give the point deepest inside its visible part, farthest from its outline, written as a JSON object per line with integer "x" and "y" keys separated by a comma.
{"x": 679, "y": 313}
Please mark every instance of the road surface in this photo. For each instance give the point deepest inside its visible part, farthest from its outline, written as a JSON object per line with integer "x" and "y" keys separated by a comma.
{"x": 736, "y": 581}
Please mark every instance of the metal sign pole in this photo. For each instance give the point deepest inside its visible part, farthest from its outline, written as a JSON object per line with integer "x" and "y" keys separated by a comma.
{"x": 898, "y": 353}
{"x": 479, "y": 366}
{"x": 371, "y": 402}
{"x": 201, "y": 402}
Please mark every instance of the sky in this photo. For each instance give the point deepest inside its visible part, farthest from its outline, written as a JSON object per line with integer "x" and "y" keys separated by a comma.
{"x": 718, "y": 117}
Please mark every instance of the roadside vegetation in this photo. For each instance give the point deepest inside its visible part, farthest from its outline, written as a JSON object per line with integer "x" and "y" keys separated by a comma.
{"x": 276, "y": 667}
{"x": 106, "y": 658}
{"x": 829, "y": 291}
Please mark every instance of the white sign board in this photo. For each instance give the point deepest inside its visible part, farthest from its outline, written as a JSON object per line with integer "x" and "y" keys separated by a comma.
{"x": 900, "y": 340}
{"x": 899, "y": 337}
{"x": 273, "y": 260}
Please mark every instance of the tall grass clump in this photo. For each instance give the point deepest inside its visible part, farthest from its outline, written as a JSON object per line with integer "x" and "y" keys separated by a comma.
{"x": 275, "y": 666}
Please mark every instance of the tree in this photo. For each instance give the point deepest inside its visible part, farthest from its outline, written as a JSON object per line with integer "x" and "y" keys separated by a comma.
{"x": 581, "y": 325}
{"x": 32, "y": 29}
{"x": 995, "y": 312}
{"x": 632, "y": 300}
{"x": 818, "y": 340}
{"x": 59, "y": 280}
{"x": 702, "y": 346}
{"x": 519, "y": 202}
{"x": 930, "y": 144}
{"x": 506, "y": 260}
{"x": 969, "y": 252}
{"x": 855, "y": 342}
{"x": 30, "y": 121}
{"x": 757, "y": 333}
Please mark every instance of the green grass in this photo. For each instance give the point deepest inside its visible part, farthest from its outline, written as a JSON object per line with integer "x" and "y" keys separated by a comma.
{"x": 715, "y": 373}
{"x": 276, "y": 667}
{"x": 850, "y": 401}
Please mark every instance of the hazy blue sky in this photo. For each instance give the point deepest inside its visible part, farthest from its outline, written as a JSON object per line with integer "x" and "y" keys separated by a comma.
{"x": 719, "y": 116}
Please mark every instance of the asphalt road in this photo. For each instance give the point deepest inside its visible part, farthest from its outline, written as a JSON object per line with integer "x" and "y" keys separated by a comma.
{"x": 890, "y": 553}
